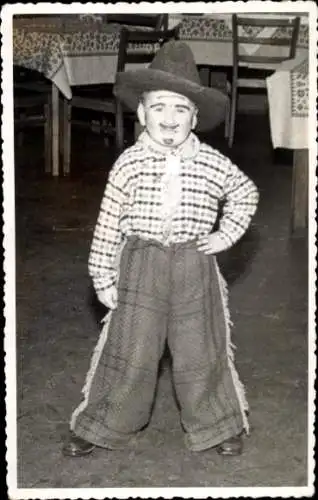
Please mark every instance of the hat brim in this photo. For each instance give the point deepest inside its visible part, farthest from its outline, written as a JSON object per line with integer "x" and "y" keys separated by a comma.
{"x": 211, "y": 103}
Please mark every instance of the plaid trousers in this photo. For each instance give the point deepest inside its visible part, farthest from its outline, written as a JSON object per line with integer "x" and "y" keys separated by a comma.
{"x": 175, "y": 294}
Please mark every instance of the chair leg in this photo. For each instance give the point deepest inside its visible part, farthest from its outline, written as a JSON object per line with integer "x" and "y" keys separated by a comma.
{"x": 20, "y": 135}
{"x": 227, "y": 120}
{"x": 47, "y": 139}
{"x": 67, "y": 115}
{"x": 104, "y": 129}
{"x": 61, "y": 130}
{"x": 119, "y": 129}
{"x": 232, "y": 115}
{"x": 210, "y": 73}
{"x": 20, "y": 139}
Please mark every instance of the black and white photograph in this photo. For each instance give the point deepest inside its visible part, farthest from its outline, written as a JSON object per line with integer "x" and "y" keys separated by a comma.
{"x": 159, "y": 187}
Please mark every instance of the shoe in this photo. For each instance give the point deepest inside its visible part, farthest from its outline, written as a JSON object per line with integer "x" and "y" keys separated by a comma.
{"x": 77, "y": 447}
{"x": 231, "y": 447}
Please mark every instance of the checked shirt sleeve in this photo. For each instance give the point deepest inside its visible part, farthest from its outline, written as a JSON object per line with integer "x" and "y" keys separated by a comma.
{"x": 107, "y": 235}
{"x": 240, "y": 197}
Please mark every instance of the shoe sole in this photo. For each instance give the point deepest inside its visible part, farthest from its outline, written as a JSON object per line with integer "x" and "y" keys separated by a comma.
{"x": 229, "y": 453}
{"x": 74, "y": 454}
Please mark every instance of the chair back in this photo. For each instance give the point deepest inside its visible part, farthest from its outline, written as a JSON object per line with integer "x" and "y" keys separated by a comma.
{"x": 155, "y": 21}
{"x": 137, "y": 47}
{"x": 278, "y": 36}
{"x": 140, "y": 46}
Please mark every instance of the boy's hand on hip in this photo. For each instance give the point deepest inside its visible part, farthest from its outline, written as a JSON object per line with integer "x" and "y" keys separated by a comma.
{"x": 108, "y": 297}
{"x": 211, "y": 244}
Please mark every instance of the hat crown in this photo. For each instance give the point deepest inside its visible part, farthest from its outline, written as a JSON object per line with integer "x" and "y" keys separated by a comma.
{"x": 176, "y": 58}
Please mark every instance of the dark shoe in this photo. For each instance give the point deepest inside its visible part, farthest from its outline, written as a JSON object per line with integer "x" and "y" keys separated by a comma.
{"x": 77, "y": 447}
{"x": 231, "y": 447}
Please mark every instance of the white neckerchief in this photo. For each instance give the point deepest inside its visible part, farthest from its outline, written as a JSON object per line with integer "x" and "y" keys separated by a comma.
{"x": 171, "y": 189}
{"x": 188, "y": 149}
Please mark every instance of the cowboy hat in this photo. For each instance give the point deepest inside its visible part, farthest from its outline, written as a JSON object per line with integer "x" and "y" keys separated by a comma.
{"x": 173, "y": 68}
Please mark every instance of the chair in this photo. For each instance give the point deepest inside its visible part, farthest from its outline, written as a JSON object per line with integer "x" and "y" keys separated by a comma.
{"x": 32, "y": 108}
{"x": 109, "y": 104}
{"x": 277, "y": 49}
{"x": 147, "y": 21}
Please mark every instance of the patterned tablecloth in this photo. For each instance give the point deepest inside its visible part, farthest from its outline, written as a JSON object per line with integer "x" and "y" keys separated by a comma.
{"x": 288, "y": 97}
{"x": 70, "y": 51}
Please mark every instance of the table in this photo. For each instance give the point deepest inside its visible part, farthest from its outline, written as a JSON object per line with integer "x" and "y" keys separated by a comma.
{"x": 210, "y": 37}
{"x": 288, "y": 97}
{"x": 70, "y": 51}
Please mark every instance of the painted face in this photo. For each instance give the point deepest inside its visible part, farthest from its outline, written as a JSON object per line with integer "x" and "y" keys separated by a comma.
{"x": 168, "y": 117}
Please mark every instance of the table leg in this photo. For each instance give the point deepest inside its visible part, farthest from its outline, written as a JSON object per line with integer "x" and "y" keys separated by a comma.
{"x": 66, "y": 140}
{"x": 299, "y": 202}
{"x": 55, "y": 130}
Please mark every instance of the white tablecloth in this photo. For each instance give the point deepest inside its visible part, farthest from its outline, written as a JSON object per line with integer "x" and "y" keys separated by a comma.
{"x": 288, "y": 97}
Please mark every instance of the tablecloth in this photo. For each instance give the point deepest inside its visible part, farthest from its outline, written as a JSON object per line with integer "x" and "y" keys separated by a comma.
{"x": 71, "y": 52}
{"x": 288, "y": 98}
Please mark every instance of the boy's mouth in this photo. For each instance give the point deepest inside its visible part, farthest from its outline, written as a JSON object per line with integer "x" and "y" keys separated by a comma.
{"x": 168, "y": 141}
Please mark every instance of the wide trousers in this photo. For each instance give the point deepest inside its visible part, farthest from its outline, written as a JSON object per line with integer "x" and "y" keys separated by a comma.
{"x": 177, "y": 295}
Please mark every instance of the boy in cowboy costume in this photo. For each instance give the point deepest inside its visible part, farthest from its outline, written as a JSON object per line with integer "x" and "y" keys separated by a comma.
{"x": 153, "y": 264}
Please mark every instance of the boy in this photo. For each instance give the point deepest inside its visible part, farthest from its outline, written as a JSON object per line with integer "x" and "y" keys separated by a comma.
{"x": 152, "y": 263}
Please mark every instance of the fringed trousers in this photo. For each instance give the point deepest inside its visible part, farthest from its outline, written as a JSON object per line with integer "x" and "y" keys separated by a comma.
{"x": 165, "y": 293}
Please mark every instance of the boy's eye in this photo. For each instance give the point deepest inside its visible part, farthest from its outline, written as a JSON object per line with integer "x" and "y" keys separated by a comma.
{"x": 157, "y": 107}
{"x": 182, "y": 109}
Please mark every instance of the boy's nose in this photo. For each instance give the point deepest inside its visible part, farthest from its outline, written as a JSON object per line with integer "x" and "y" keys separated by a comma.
{"x": 169, "y": 118}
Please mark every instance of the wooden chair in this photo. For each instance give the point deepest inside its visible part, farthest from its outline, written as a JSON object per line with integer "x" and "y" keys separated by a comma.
{"x": 95, "y": 91}
{"x": 278, "y": 49}
{"x": 109, "y": 105}
{"x": 32, "y": 108}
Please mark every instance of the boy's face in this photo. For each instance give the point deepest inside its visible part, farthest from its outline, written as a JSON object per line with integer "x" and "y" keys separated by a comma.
{"x": 168, "y": 117}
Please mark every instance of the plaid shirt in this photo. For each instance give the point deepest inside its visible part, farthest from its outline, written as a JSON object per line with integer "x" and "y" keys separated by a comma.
{"x": 132, "y": 205}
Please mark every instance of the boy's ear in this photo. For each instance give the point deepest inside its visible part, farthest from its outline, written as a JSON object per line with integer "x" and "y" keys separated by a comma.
{"x": 194, "y": 119}
{"x": 141, "y": 114}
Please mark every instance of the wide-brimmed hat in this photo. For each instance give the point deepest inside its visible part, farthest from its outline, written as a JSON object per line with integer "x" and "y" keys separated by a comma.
{"x": 173, "y": 68}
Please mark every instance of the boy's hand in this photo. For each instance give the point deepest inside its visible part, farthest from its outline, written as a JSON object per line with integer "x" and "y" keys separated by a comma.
{"x": 108, "y": 297}
{"x": 212, "y": 243}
